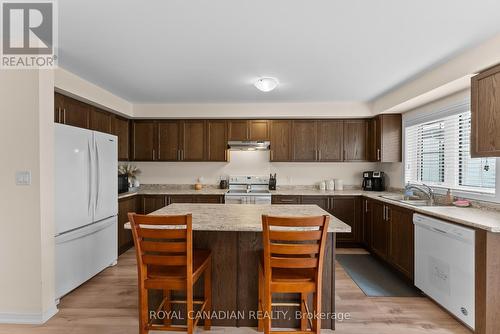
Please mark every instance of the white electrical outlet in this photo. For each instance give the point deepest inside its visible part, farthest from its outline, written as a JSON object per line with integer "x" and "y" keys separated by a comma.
{"x": 23, "y": 178}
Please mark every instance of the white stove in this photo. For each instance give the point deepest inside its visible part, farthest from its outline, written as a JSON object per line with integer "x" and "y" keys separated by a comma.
{"x": 248, "y": 190}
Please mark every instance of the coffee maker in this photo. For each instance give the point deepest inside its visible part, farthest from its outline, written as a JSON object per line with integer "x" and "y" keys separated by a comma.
{"x": 373, "y": 181}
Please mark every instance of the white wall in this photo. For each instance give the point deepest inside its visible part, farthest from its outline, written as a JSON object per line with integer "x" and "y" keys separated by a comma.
{"x": 72, "y": 85}
{"x": 27, "y": 246}
{"x": 253, "y": 163}
{"x": 254, "y": 110}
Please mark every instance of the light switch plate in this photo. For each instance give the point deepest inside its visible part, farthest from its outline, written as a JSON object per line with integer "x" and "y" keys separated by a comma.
{"x": 23, "y": 178}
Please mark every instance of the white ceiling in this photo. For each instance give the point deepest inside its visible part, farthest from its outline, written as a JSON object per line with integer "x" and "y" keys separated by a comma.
{"x": 184, "y": 51}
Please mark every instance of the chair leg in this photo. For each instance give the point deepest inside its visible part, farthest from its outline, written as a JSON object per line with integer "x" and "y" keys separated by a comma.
{"x": 267, "y": 310}
{"x": 303, "y": 311}
{"x": 167, "y": 308}
{"x": 260, "y": 326}
{"x": 189, "y": 309}
{"x": 317, "y": 312}
{"x": 208, "y": 295}
{"x": 143, "y": 311}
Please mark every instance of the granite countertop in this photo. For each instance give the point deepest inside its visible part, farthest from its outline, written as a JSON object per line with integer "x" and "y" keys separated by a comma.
{"x": 243, "y": 217}
{"x": 483, "y": 218}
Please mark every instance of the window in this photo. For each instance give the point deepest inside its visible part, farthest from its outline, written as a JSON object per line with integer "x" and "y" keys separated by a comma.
{"x": 438, "y": 154}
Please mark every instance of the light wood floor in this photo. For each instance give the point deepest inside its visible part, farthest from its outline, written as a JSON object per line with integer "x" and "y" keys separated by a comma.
{"x": 107, "y": 304}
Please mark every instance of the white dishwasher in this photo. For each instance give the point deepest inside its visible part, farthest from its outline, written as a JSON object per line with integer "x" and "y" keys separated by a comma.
{"x": 444, "y": 265}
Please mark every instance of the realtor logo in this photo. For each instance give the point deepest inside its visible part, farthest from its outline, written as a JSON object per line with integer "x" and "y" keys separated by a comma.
{"x": 28, "y": 34}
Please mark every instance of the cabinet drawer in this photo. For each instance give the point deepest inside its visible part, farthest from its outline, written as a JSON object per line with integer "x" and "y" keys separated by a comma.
{"x": 285, "y": 199}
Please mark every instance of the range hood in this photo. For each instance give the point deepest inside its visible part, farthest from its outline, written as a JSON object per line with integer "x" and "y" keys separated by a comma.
{"x": 248, "y": 145}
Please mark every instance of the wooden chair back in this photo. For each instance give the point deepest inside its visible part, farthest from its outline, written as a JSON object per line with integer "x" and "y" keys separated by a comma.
{"x": 162, "y": 247}
{"x": 285, "y": 247}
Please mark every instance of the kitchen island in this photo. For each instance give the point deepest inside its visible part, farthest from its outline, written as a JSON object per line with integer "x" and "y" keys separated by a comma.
{"x": 233, "y": 233}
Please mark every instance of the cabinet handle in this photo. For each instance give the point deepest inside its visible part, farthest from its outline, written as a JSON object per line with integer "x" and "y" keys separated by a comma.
{"x": 153, "y": 153}
{"x": 366, "y": 206}
{"x": 287, "y": 200}
{"x": 378, "y": 154}
{"x": 178, "y": 155}
{"x": 319, "y": 154}
{"x": 64, "y": 115}
{"x": 385, "y": 210}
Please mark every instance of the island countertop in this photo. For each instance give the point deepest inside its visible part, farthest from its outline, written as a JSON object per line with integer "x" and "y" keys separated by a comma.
{"x": 243, "y": 217}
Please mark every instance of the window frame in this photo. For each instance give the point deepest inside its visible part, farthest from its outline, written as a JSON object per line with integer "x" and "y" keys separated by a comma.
{"x": 449, "y": 110}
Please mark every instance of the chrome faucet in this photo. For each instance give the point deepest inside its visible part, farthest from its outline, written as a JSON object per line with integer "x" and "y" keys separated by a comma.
{"x": 423, "y": 188}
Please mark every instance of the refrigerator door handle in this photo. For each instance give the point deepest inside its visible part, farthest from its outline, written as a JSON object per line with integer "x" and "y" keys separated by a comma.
{"x": 98, "y": 174}
{"x": 90, "y": 176}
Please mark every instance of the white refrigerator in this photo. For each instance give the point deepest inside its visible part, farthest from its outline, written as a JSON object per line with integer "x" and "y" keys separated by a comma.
{"x": 86, "y": 205}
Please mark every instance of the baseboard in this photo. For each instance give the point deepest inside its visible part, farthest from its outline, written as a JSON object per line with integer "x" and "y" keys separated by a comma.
{"x": 28, "y": 318}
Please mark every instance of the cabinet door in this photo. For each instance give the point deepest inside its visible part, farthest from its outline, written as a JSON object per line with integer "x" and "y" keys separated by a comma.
{"x": 346, "y": 208}
{"x": 100, "y": 120}
{"x": 216, "y": 140}
{"x": 304, "y": 141}
{"x": 258, "y": 129}
{"x": 169, "y": 133}
{"x": 401, "y": 240}
{"x": 180, "y": 199}
{"x": 120, "y": 129}
{"x": 380, "y": 230}
{"x": 280, "y": 140}
{"x": 390, "y": 129}
{"x": 366, "y": 235}
{"x": 75, "y": 113}
{"x": 373, "y": 142}
{"x": 194, "y": 139}
{"x": 125, "y": 206}
{"x": 58, "y": 107}
{"x": 151, "y": 203}
{"x": 216, "y": 199}
{"x": 321, "y": 201}
{"x": 143, "y": 140}
{"x": 238, "y": 130}
{"x": 355, "y": 140}
{"x": 485, "y": 123}
{"x": 285, "y": 199}
{"x": 330, "y": 137}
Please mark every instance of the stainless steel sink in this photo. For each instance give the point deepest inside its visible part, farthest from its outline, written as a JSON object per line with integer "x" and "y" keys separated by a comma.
{"x": 414, "y": 201}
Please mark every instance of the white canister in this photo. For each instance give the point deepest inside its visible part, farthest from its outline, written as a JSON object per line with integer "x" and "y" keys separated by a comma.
{"x": 322, "y": 185}
{"x": 339, "y": 184}
{"x": 330, "y": 185}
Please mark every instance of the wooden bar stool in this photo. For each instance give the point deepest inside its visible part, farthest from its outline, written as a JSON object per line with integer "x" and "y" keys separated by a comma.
{"x": 166, "y": 261}
{"x": 292, "y": 262}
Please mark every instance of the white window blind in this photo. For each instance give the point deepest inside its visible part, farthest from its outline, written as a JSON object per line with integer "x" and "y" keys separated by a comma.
{"x": 438, "y": 154}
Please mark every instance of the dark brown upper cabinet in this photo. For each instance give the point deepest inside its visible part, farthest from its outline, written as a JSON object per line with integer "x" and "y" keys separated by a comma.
{"x": 386, "y": 136}
{"x": 238, "y": 130}
{"x": 330, "y": 140}
{"x": 258, "y": 129}
{"x": 169, "y": 137}
{"x": 194, "y": 140}
{"x": 355, "y": 140}
{"x": 120, "y": 128}
{"x": 144, "y": 143}
{"x": 70, "y": 111}
{"x": 216, "y": 140}
{"x": 485, "y": 108}
{"x": 280, "y": 140}
{"x": 304, "y": 144}
{"x": 99, "y": 120}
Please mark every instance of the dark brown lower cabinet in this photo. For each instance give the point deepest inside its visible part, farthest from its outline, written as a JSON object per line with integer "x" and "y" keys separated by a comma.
{"x": 152, "y": 203}
{"x": 321, "y": 201}
{"x": 347, "y": 209}
{"x": 380, "y": 230}
{"x": 285, "y": 199}
{"x": 125, "y": 205}
{"x": 215, "y": 199}
{"x": 401, "y": 240}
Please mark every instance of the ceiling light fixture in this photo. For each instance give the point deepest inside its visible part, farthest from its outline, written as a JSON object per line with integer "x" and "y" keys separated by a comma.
{"x": 266, "y": 84}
